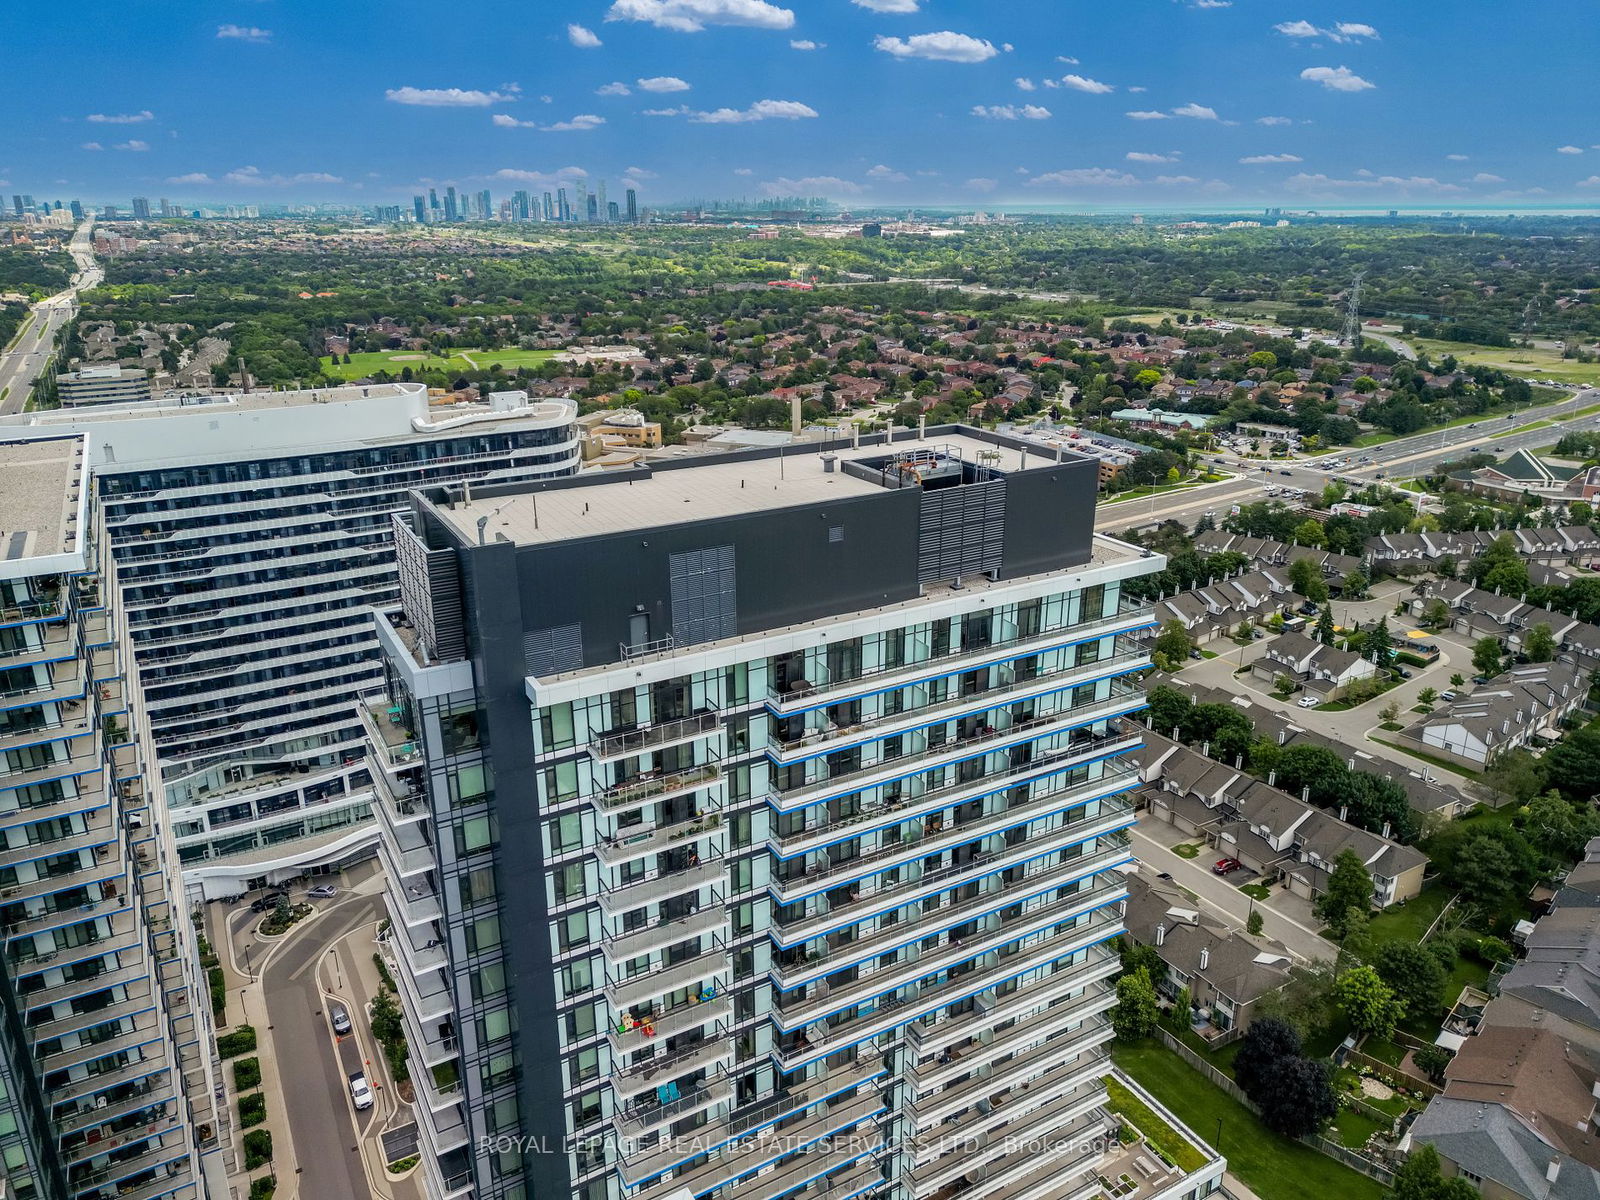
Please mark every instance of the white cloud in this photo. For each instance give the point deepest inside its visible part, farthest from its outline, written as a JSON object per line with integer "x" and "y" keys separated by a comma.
{"x": 1325, "y": 183}
{"x": 1211, "y": 4}
{"x": 614, "y": 89}
{"x": 1344, "y": 31}
{"x": 1486, "y": 177}
{"x": 1337, "y": 79}
{"x": 1175, "y": 179}
{"x": 1007, "y": 47}
{"x": 1083, "y": 177}
{"x": 1010, "y": 112}
{"x": 584, "y": 39}
{"x": 1198, "y": 111}
{"x": 662, "y": 83}
{"x": 1067, "y": 59}
{"x": 578, "y": 124}
{"x": 91, "y": 146}
{"x": 1138, "y": 89}
{"x": 640, "y": 173}
{"x": 691, "y": 16}
{"x": 509, "y": 122}
{"x": 1592, "y": 181}
{"x": 1025, "y": 85}
{"x": 446, "y": 97}
{"x": 1147, "y": 115}
{"x": 887, "y": 174}
{"x": 805, "y": 44}
{"x": 1256, "y": 159}
{"x": 981, "y": 184}
{"x": 743, "y": 171}
{"x": 133, "y": 144}
{"x": 511, "y": 175}
{"x": 121, "y": 118}
{"x": 194, "y": 177}
{"x": 1456, "y": 157}
{"x": 679, "y": 111}
{"x": 1140, "y": 156}
{"x": 253, "y": 177}
{"x": 761, "y": 110}
{"x": 1079, "y": 83}
{"x": 244, "y": 33}
{"x": 1273, "y": 121}
{"x": 888, "y": 6}
{"x": 1569, "y": 150}
{"x": 809, "y": 185}
{"x": 943, "y": 46}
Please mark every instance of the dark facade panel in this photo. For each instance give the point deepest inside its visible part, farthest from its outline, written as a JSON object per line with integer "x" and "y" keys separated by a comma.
{"x": 1049, "y": 523}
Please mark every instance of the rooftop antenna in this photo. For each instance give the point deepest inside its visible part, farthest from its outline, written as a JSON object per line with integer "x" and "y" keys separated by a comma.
{"x": 1352, "y": 313}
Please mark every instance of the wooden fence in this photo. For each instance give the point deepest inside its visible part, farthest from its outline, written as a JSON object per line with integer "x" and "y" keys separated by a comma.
{"x": 1351, "y": 1158}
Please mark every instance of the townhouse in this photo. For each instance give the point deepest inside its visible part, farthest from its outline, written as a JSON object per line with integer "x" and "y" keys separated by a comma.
{"x": 1511, "y": 710}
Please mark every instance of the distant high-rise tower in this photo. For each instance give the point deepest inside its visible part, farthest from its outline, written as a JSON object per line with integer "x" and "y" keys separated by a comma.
{"x": 633, "y": 207}
{"x": 27, "y": 202}
{"x": 563, "y": 209}
{"x": 580, "y": 201}
{"x": 549, "y": 208}
{"x": 419, "y": 206}
{"x": 600, "y": 203}
{"x": 612, "y": 215}
{"x": 433, "y": 205}
{"x": 519, "y": 205}
{"x": 16, "y": 203}
{"x": 485, "y": 205}
{"x": 166, "y": 208}
{"x": 77, "y": 210}
{"x": 592, "y": 207}
{"x": 141, "y": 208}
{"x": 451, "y": 211}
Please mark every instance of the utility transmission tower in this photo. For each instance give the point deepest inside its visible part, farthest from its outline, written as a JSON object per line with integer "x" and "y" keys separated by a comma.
{"x": 1352, "y": 312}
{"x": 1530, "y": 316}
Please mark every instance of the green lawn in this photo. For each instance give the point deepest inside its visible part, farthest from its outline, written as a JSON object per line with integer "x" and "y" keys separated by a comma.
{"x": 395, "y": 361}
{"x": 1275, "y": 1168}
{"x": 1255, "y": 891}
{"x": 1443, "y": 764}
{"x": 1546, "y": 364}
{"x": 1187, "y": 850}
{"x": 1409, "y": 921}
{"x": 1352, "y": 1128}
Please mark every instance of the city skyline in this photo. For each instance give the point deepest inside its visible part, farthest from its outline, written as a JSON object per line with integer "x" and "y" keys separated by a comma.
{"x": 1197, "y": 103}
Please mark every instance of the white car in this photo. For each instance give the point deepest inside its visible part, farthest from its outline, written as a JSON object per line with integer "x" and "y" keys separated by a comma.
{"x": 360, "y": 1092}
{"x": 1308, "y": 702}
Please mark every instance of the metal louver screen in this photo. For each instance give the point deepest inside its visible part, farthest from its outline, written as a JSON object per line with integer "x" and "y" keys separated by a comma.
{"x": 962, "y": 531}
{"x": 551, "y": 651}
{"x": 704, "y": 606}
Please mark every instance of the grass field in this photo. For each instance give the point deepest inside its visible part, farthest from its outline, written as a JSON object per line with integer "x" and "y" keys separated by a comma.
{"x": 1535, "y": 363}
{"x": 394, "y": 361}
{"x": 1273, "y": 1167}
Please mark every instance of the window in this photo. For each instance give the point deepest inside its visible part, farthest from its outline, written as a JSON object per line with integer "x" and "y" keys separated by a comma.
{"x": 494, "y": 1026}
{"x": 473, "y": 835}
{"x": 469, "y": 784}
{"x": 566, "y": 833}
{"x": 483, "y": 935}
{"x": 477, "y": 885}
{"x": 489, "y": 980}
{"x": 586, "y": 1065}
{"x": 577, "y": 978}
{"x": 573, "y": 930}
{"x": 569, "y": 882}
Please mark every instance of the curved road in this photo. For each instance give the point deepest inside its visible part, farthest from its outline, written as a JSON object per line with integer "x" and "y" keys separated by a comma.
{"x": 23, "y": 363}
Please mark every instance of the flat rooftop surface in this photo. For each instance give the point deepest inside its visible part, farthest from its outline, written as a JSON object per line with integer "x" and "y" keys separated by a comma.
{"x": 40, "y": 484}
{"x": 194, "y": 406}
{"x": 704, "y": 490}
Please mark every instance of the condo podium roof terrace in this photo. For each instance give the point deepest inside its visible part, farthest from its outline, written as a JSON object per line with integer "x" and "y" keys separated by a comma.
{"x": 736, "y": 808}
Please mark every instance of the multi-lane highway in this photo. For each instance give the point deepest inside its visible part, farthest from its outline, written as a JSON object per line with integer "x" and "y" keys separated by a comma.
{"x": 1402, "y": 458}
{"x": 25, "y": 361}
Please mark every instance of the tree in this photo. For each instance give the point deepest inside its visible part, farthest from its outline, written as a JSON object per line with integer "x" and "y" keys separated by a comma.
{"x": 1283, "y": 687}
{"x": 1299, "y": 1098}
{"x": 1172, "y": 646}
{"x": 1349, "y": 892}
{"x": 1254, "y": 923}
{"x": 1137, "y": 1011}
{"x": 1540, "y": 644}
{"x": 1305, "y": 1002}
{"x": 1367, "y": 1002}
{"x": 1427, "y": 696}
{"x": 1354, "y": 585}
{"x": 1557, "y": 829}
{"x": 1435, "y": 614}
{"x": 1572, "y": 765}
{"x": 1267, "y": 1042}
{"x": 1169, "y": 708}
{"x": 1431, "y": 1061}
{"x": 1419, "y": 1177}
{"x": 1137, "y": 956}
{"x": 1491, "y": 864}
{"x": 1306, "y": 578}
{"x": 1458, "y": 680}
{"x": 1378, "y": 646}
{"x": 1517, "y": 774}
{"x": 1243, "y": 632}
{"x": 1486, "y": 656}
{"x": 1325, "y": 632}
{"x": 1390, "y": 712}
{"x": 1308, "y": 532}
{"x": 1413, "y": 975}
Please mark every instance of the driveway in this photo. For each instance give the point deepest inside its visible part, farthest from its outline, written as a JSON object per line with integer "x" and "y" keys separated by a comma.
{"x": 312, "y": 1067}
{"x": 1286, "y": 918}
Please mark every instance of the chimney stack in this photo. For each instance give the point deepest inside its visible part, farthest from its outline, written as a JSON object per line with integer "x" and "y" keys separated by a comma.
{"x": 1205, "y": 957}
{"x": 1161, "y": 933}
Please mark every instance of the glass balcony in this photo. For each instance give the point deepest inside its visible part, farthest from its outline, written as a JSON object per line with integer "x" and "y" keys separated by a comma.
{"x": 651, "y": 788}
{"x": 643, "y": 739}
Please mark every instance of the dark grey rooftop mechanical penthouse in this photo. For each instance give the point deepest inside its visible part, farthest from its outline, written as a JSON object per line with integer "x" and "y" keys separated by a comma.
{"x": 682, "y": 553}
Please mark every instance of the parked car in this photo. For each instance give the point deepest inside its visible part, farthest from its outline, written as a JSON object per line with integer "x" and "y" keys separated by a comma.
{"x": 1256, "y": 635}
{"x": 360, "y": 1092}
{"x": 1226, "y": 865}
{"x": 339, "y": 1017}
{"x": 268, "y": 902}
{"x": 1309, "y": 609}
{"x": 1447, "y": 696}
{"x": 323, "y": 891}
{"x": 1308, "y": 702}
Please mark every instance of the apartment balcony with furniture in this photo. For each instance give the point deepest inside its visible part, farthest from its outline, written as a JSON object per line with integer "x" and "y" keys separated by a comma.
{"x": 616, "y": 744}
{"x": 704, "y": 969}
{"x": 711, "y": 922}
{"x": 660, "y": 884}
{"x": 651, "y": 787}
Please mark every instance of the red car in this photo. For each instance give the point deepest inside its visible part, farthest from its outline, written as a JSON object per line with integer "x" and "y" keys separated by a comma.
{"x": 1225, "y": 865}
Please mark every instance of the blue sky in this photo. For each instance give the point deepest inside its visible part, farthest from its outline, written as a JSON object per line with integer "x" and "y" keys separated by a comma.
{"x": 1114, "y": 103}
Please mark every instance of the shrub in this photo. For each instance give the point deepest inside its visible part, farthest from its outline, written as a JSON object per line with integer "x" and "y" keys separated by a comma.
{"x": 262, "y": 1189}
{"x": 241, "y": 1041}
{"x": 257, "y": 1150}
{"x": 383, "y": 971}
{"x": 246, "y": 1074}
{"x": 1493, "y": 950}
{"x": 219, "y": 992}
{"x": 252, "y": 1110}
